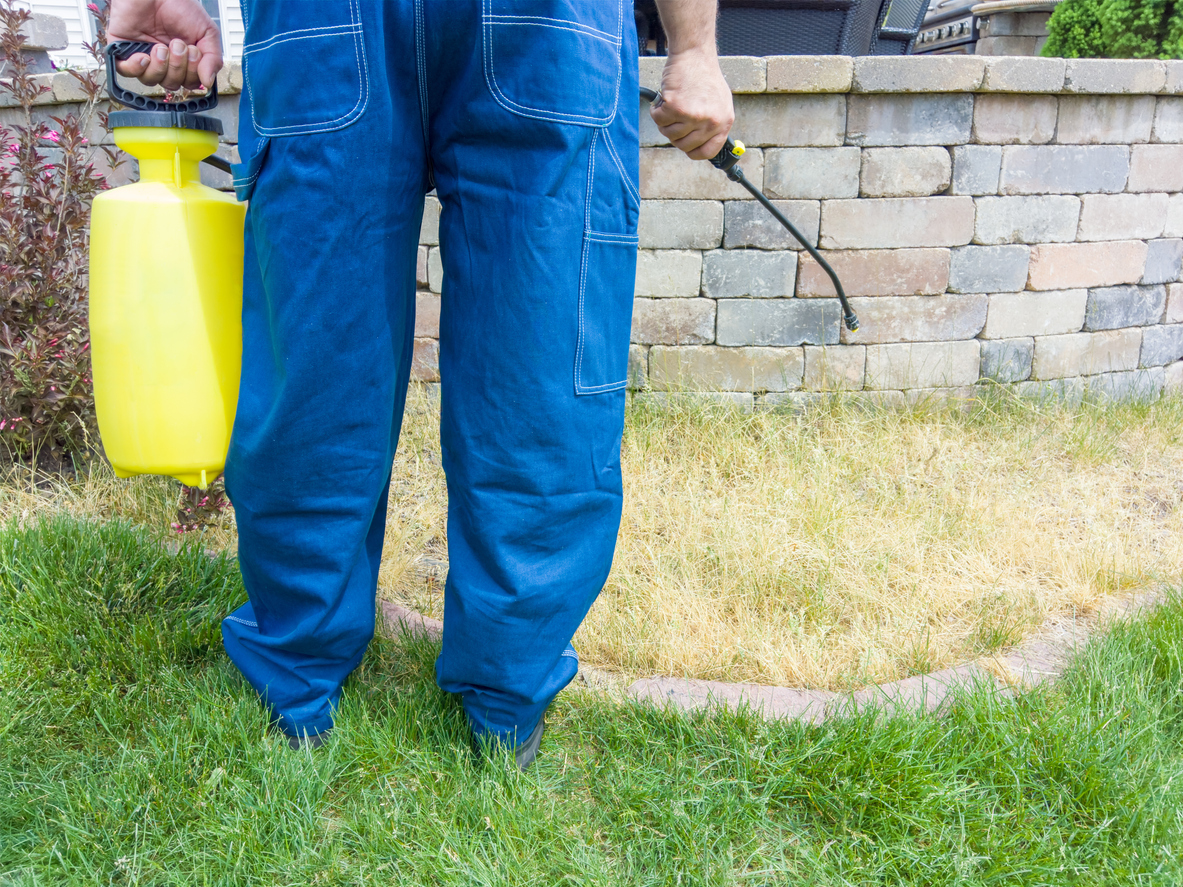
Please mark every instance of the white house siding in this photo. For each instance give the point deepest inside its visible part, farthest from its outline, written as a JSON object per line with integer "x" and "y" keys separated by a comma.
{"x": 233, "y": 30}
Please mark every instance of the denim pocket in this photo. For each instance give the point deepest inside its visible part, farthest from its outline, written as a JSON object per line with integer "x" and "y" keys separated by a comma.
{"x": 304, "y": 66}
{"x": 605, "y": 311}
{"x": 557, "y": 60}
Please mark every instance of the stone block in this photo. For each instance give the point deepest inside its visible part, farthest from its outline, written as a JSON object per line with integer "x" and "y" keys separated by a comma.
{"x": 650, "y": 136}
{"x": 1063, "y": 169}
{"x": 425, "y": 360}
{"x": 1066, "y": 391}
{"x": 1164, "y": 261}
{"x": 227, "y": 112}
{"x": 67, "y": 88}
{"x": 1174, "y": 312}
{"x": 1023, "y": 74}
{"x": 1146, "y": 384}
{"x": 427, "y": 315}
{"x": 1015, "y": 24}
{"x": 668, "y": 174}
{"x": 1174, "y": 84}
{"x": 777, "y": 322}
{"x": 421, "y": 266}
{"x": 1007, "y": 45}
{"x": 877, "y": 272}
{"x": 123, "y": 171}
{"x": 1057, "y": 266}
{"x": 1105, "y": 119}
{"x": 988, "y": 269}
{"x": 736, "y": 400}
{"x": 743, "y": 73}
{"x": 834, "y": 367}
{"x": 789, "y": 401}
{"x": 234, "y": 73}
{"x": 429, "y": 230}
{"x": 1156, "y": 168}
{"x": 1174, "y": 227}
{"x": 1168, "y": 120}
{"x": 899, "y": 120}
{"x": 790, "y": 121}
{"x": 1015, "y": 119}
{"x": 897, "y": 222}
{"x": 1161, "y": 345}
{"x": 1007, "y": 360}
{"x": 725, "y": 369}
{"x": 680, "y": 224}
{"x": 1122, "y": 216}
{"x": 747, "y": 223}
{"x": 756, "y": 274}
{"x": 1115, "y": 307}
{"x": 638, "y": 367}
{"x": 44, "y": 33}
{"x": 923, "y": 365}
{"x": 1085, "y": 354}
{"x": 649, "y": 68}
{"x": 885, "y": 319}
{"x": 922, "y": 73}
{"x": 1173, "y": 377}
{"x": 1114, "y": 75}
{"x": 976, "y": 169}
{"x": 673, "y": 321}
{"x": 810, "y": 73}
{"x": 905, "y": 172}
{"x": 435, "y": 270}
{"x": 1042, "y": 219}
{"x": 1012, "y": 315}
{"x": 811, "y": 173}
{"x": 668, "y": 273}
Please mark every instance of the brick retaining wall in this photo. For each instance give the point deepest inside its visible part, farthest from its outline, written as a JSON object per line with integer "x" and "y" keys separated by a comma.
{"x": 1009, "y": 219}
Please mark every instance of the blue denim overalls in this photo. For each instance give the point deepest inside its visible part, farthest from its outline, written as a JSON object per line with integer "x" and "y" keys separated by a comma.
{"x": 522, "y": 115}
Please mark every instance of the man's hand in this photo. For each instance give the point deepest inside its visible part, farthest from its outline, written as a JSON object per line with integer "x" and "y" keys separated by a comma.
{"x": 188, "y": 51}
{"x": 694, "y": 110}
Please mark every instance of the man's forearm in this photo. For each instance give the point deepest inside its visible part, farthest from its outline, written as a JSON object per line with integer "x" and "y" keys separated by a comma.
{"x": 689, "y": 24}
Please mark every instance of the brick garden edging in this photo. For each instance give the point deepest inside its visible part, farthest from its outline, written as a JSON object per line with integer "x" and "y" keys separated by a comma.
{"x": 1039, "y": 658}
{"x": 1011, "y": 219}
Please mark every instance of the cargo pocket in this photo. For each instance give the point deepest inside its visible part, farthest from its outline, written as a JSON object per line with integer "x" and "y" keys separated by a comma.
{"x": 557, "y": 60}
{"x": 304, "y": 66}
{"x": 605, "y": 311}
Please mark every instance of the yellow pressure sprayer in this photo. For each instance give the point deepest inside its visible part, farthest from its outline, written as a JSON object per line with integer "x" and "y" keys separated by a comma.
{"x": 165, "y": 293}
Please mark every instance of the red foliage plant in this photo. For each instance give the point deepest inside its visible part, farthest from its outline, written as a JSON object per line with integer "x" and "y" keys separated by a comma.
{"x": 47, "y": 183}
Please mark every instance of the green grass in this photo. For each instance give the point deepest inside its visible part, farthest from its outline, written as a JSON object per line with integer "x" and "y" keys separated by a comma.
{"x": 132, "y": 753}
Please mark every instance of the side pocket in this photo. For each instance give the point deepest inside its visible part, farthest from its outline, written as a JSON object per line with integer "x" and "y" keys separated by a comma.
{"x": 606, "y": 276}
{"x": 304, "y": 66}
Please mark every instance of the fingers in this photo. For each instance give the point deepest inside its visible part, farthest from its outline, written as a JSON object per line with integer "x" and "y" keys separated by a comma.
{"x": 173, "y": 66}
{"x": 133, "y": 66}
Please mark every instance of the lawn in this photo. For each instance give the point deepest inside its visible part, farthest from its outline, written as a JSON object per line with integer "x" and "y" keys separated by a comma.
{"x": 830, "y": 549}
{"x": 132, "y": 753}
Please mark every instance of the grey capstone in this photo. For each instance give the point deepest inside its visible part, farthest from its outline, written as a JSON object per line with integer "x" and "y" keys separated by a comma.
{"x": 1007, "y": 360}
{"x": 778, "y": 322}
{"x": 1161, "y": 345}
{"x": 988, "y": 269}
{"x": 1116, "y": 307}
{"x": 1164, "y": 260}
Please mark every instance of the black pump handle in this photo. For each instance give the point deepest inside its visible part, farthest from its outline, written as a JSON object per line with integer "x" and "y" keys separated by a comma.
{"x": 122, "y": 49}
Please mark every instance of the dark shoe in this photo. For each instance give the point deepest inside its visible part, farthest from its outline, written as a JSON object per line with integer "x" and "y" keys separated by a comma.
{"x": 308, "y": 740}
{"x": 525, "y": 752}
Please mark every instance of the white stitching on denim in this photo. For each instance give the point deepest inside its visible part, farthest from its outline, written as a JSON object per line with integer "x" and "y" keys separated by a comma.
{"x": 620, "y": 166}
{"x": 421, "y": 60}
{"x": 541, "y": 21}
{"x": 363, "y": 98}
{"x": 587, "y": 200}
{"x": 541, "y": 114}
{"x": 282, "y": 36}
{"x": 603, "y": 237}
{"x": 242, "y": 622}
{"x": 571, "y": 654}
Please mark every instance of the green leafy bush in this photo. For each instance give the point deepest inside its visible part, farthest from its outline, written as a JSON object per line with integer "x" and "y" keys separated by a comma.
{"x": 1131, "y": 29}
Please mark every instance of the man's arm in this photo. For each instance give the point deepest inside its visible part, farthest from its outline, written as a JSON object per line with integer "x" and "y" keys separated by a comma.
{"x": 695, "y": 111}
{"x": 188, "y": 51}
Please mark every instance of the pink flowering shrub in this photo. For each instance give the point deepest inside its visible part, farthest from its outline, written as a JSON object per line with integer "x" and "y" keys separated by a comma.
{"x": 47, "y": 182}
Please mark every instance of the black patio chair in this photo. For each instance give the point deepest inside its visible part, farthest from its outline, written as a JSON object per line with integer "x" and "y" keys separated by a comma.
{"x": 898, "y": 27}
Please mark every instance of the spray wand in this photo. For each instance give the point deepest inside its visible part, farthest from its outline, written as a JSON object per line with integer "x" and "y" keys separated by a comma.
{"x": 728, "y": 160}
